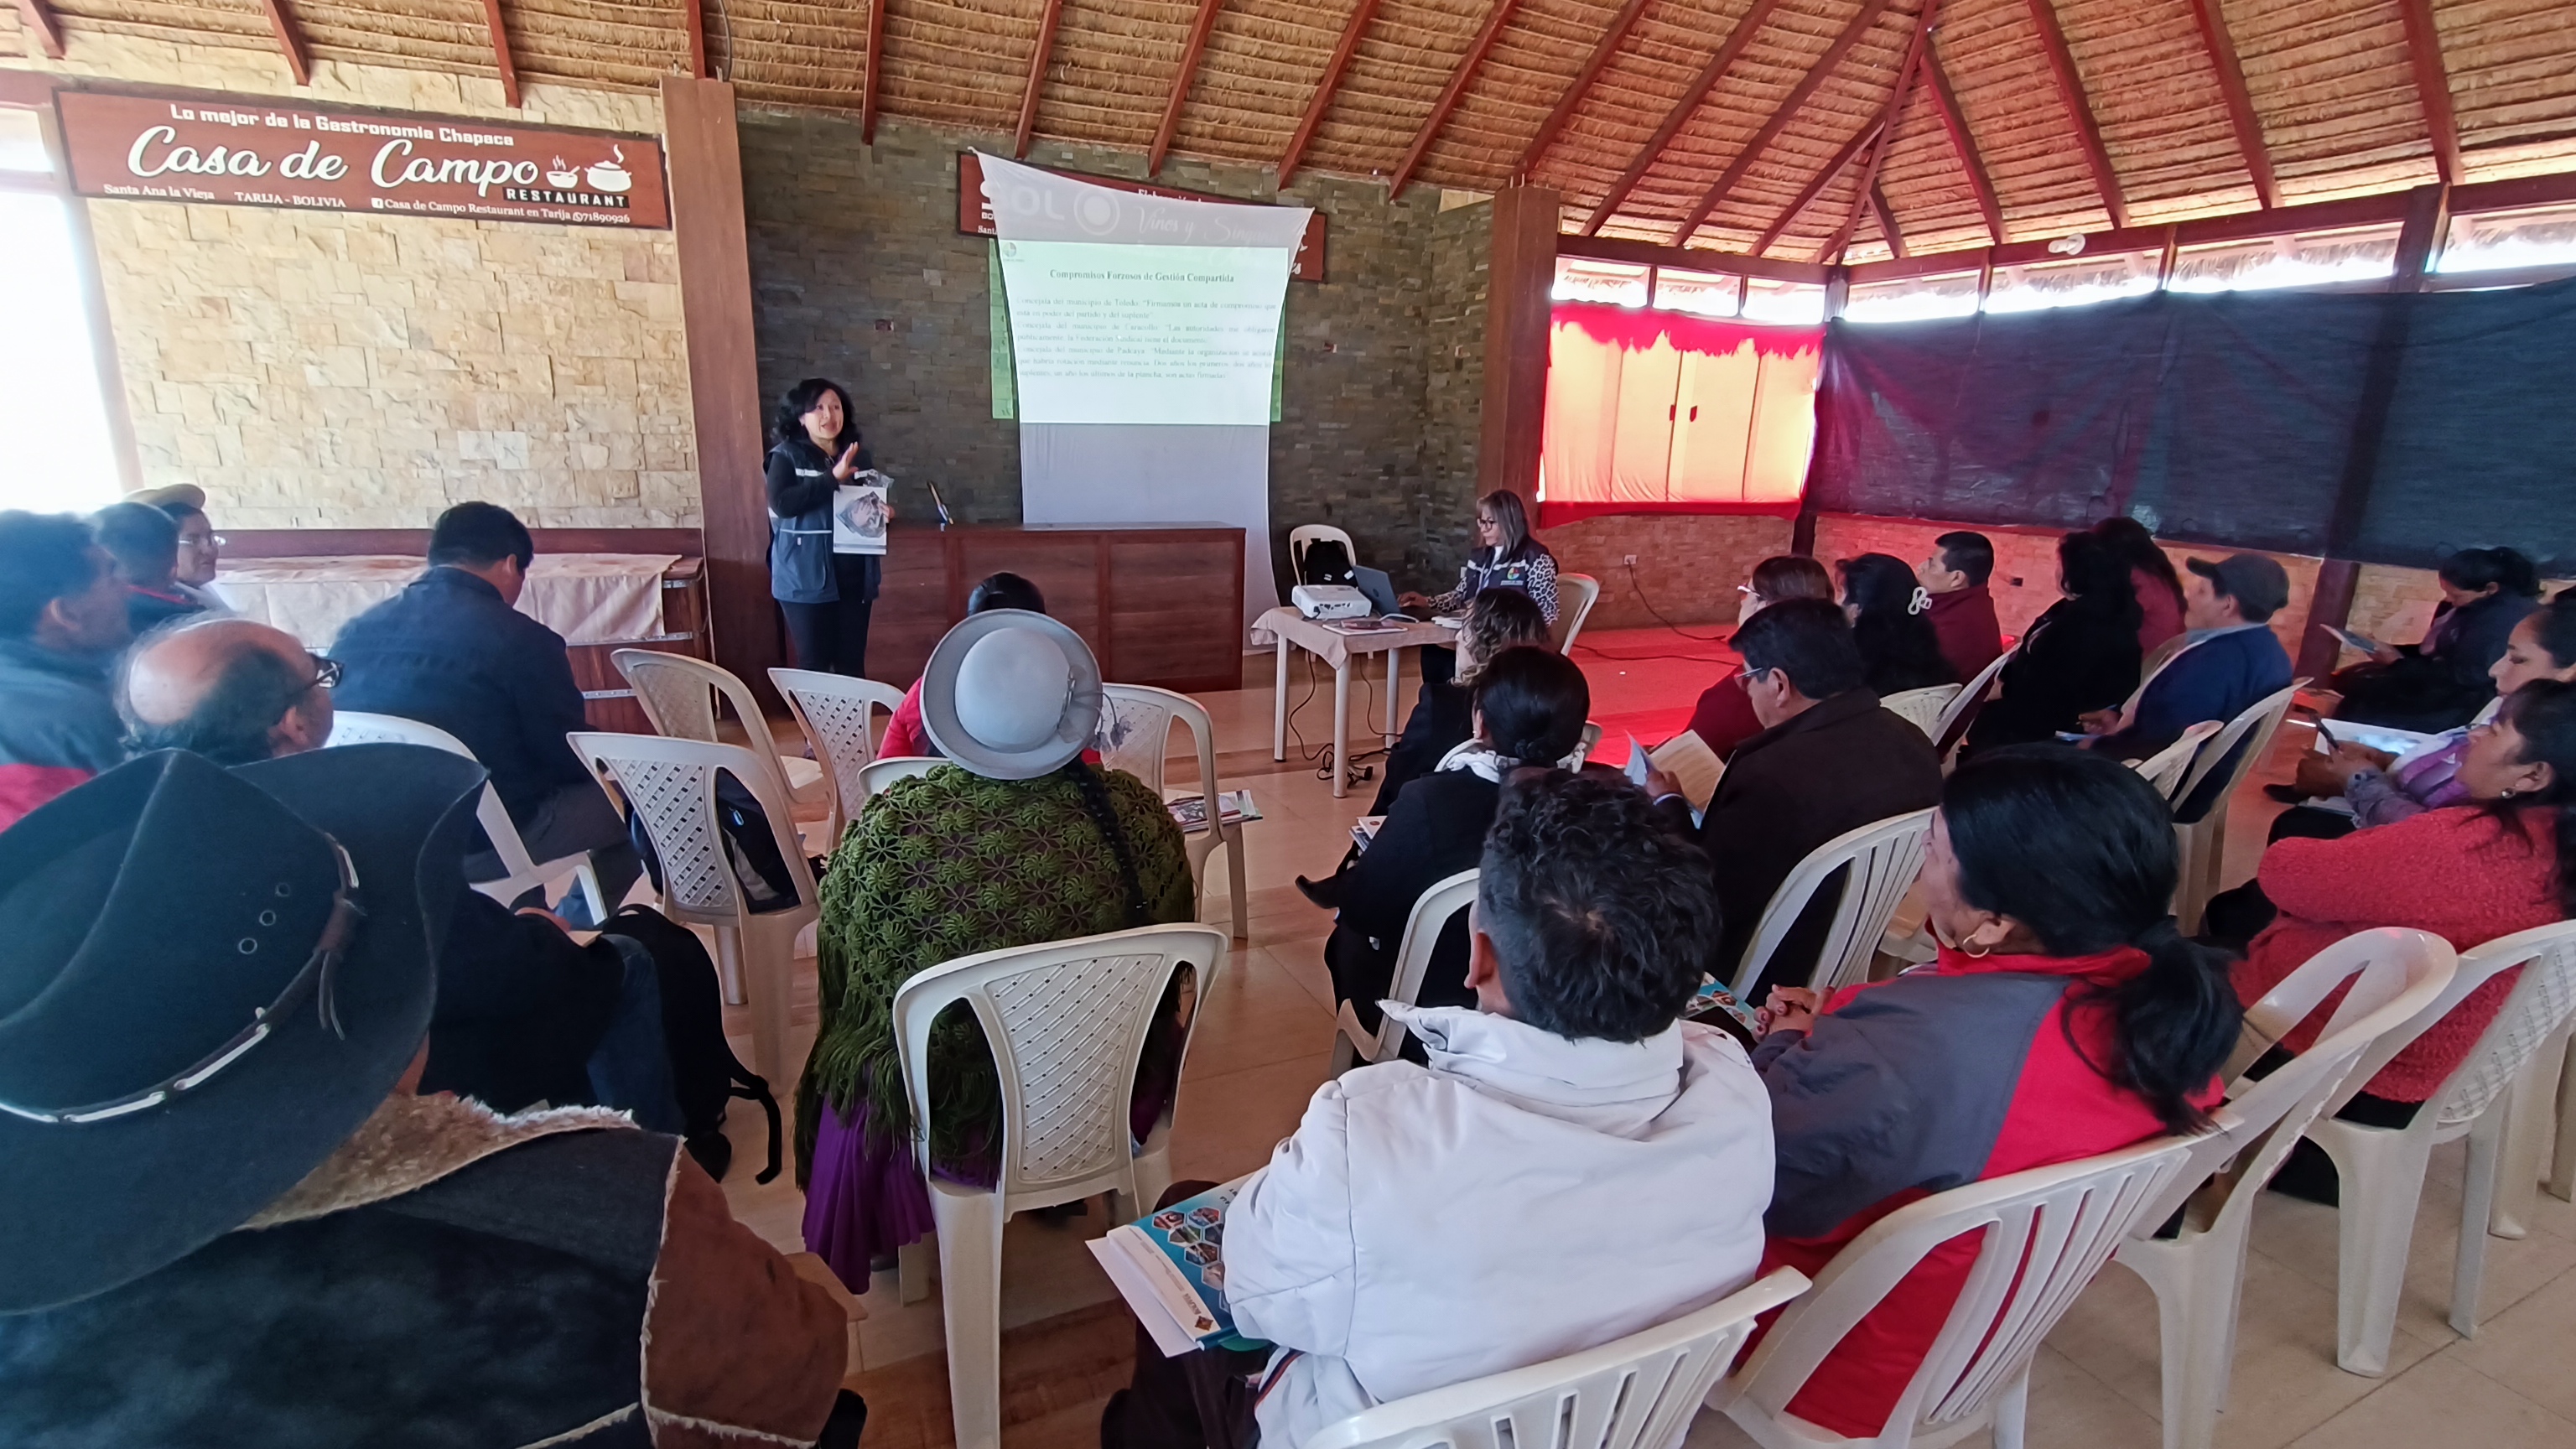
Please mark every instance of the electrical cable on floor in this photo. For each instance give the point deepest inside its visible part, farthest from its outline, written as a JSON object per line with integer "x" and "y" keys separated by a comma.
{"x": 1323, "y": 754}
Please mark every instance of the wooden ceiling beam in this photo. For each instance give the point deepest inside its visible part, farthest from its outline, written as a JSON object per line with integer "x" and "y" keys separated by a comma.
{"x": 871, "y": 74}
{"x": 1325, "y": 85}
{"x": 1815, "y": 188}
{"x": 1867, "y": 193}
{"x": 41, "y": 23}
{"x": 2433, "y": 86}
{"x": 1450, "y": 94}
{"x": 2070, "y": 90}
{"x": 1572, "y": 100}
{"x": 2240, "y": 101}
{"x": 290, "y": 39}
{"x": 1683, "y": 109}
{"x": 1886, "y": 215}
{"x": 1191, "y": 50}
{"x": 693, "y": 16}
{"x": 1787, "y": 111}
{"x": 501, "y": 53}
{"x": 1047, "y": 19}
{"x": 1963, "y": 142}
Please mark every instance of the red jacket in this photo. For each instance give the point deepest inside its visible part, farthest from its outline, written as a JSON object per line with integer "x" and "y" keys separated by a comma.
{"x": 1725, "y": 717}
{"x": 2459, "y": 873}
{"x": 1964, "y": 621}
{"x": 1979, "y": 1067}
{"x": 904, "y": 734}
{"x": 2159, "y": 610}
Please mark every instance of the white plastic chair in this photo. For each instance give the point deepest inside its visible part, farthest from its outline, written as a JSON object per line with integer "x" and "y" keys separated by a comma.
{"x": 2380, "y": 1170}
{"x": 1960, "y": 712}
{"x": 1638, "y": 1392}
{"x": 2203, "y": 843}
{"x": 520, "y": 874}
{"x": 671, "y": 786}
{"x": 1136, "y": 736}
{"x": 1066, "y": 1021}
{"x": 678, "y": 695}
{"x": 1306, "y": 533}
{"x": 837, "y": 713}
{"x": 1583, "y": 747}
{"x": 2047, "y": 1231}
{"x": 2166, "y": 767}
{"x": 1882, "y": 858}
{"x": 1353, "y": 1043}
{"x": 1584, "y": 591}
{"x": 1923, "y": 708}
{"x": 2198, "y": 1274}
{"x": 876, "y": 775}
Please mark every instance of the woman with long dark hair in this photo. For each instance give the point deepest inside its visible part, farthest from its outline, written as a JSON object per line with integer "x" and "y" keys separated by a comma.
{"x": 1891, "y": 616}
{"x": 1724, "y": 717}
{"x": 2443, "y": 682}
{"x": 2151, "y": 577}
{"x": 1506, "y": 557}
{"x": 2081, "y": 655}
{"x": 826, "y": 595}
{"x": 2065, "y": 1017}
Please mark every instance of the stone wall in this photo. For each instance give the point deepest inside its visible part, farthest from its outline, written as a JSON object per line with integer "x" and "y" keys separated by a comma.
{"x": 317, "y": 370}
{"x": 1686, "y": 569}
{"x": 859, "y": 273}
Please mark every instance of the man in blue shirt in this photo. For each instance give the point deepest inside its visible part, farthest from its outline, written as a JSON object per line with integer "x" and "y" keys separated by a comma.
{"x": 451, "y": 650}
{"x": 2230, "y": 661}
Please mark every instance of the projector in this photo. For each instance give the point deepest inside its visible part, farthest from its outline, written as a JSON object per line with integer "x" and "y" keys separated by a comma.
{"x": 1329, "y": 601}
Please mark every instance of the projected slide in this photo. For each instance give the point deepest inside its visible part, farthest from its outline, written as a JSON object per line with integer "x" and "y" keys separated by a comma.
{"x": 1113, "y": 332}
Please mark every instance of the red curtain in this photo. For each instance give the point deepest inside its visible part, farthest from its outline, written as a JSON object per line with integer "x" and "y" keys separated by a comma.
{"x": 1661, "y": 412}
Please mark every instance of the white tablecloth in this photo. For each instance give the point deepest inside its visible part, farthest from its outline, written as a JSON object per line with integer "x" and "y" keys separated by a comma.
{"x": 1337, "y": 648}
{"x": 589, "y": 598}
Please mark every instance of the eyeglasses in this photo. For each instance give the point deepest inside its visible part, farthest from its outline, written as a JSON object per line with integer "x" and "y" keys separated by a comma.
{"x": 326, "y": 671}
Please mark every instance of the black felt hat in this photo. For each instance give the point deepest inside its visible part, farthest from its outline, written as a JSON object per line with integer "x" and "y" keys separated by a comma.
{"x": 208, "y": 979}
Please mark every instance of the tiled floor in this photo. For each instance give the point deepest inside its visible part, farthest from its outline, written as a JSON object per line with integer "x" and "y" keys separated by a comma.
{"x": 1265, "y": 1039}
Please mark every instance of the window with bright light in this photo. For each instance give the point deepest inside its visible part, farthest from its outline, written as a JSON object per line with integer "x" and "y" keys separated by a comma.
{"x": 2539, "y": 238}
{"x": 1800, "y": 304}
{"x": 61, "y": 455}
{"x": 1579, "y": 279}
{"x": 1702, "y": 294}
{"x": 2309, "y": 260}
{"x": 2029, "y": 287}
{"x": 1913, "y": 299}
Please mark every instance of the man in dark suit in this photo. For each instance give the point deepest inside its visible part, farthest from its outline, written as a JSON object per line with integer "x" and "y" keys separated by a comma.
{"x": 1828, "y": 760}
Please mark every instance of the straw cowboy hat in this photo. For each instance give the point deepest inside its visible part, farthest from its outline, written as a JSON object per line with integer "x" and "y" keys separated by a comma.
{"x": 210, "y": 978}
{"x": 1011, "y": 695}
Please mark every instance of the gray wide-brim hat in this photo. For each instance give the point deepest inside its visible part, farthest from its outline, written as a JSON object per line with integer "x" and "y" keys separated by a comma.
{"x": 1011, "y": 695}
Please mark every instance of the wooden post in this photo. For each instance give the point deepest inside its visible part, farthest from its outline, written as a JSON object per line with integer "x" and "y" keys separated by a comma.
{"x": 705, "y": 156}
{"x": 1802, "y": 533}
{"x": 1517, "y": 283}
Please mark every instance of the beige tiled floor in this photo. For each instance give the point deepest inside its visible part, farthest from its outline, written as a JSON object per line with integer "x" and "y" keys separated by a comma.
{"x": 1262, "y": 1048}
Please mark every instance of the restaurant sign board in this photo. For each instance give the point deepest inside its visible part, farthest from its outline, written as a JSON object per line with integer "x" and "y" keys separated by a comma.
{"x": 260, "y": 151}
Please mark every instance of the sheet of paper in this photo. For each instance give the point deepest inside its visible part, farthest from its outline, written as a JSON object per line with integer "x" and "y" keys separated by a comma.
{"x": 859, "y": 514}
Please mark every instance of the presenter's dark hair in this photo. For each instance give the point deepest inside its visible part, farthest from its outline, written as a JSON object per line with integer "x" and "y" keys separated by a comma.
{"x": 480, "y": 535}
{"x": 1603, "y": 918}
{"x": 1898, "y": 647}
{"x": 1005, "y": 591}
{"x": 1786, "y": 576}
{"x": 2079, "y": 849}
{"x": 1510, "y": 517}
{"x": 1534, "y": 702}
{"x": 787, "y": 425}
{"x": 43, "y": 557}
{"x": 142, "y": 539}
{"x": 2130, "y": 541}
{"x": 1972, "y": 554}
{"x": 1807, "y": 639}
{"x": 2096, "y": 577}
{"x": 2475, "y": 568}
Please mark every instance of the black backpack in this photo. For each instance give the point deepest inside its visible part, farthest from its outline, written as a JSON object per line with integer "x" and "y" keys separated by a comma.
{"x": 1326, "y": 562}
{"x": 705, "y": 1074}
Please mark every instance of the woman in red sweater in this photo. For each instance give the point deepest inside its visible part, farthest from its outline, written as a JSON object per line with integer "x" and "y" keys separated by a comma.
{"x": 1725, "y": 718}
{"x": 2503, "y": 863}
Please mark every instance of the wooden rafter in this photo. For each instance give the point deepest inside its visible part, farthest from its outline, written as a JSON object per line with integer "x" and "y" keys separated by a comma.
{"x": 1691, "y": 97}
{"x": 1886, "y": 215}
{"x": 1190, "y": 52}
{"x": 1963, "y": 143}
{"x": 1329, "y": 82}
{"x": 2240, "y": 101}
{"x": 501, "y": 53}
{"x": 39, "y": 19}
{"x": 1787, "y": 111}
{"x": 1814, "y": 188}
{"x": 290, "y": 39}
{"x": 1459, "y": 79}
{"x": 2433, "y": 86}
{"x": 693, "y": 15}
{"x": 871, "y": 84}
{"x": 1867, "y": 193}
{"x": 2070, "y": 90}
{"x": 1620, "y": 24}
{"x": 1047, "y": 19}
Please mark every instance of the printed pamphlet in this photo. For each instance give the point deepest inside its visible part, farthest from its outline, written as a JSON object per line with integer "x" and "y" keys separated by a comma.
{"x": 859, "y": 514}
{"x": 1170, "y": 1267}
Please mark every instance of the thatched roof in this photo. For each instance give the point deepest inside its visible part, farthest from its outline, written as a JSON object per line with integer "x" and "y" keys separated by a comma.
{"x": 2200, "y": 106}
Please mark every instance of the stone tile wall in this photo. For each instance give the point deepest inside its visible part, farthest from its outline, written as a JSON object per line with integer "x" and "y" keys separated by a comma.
{"x": 313, "y": 370}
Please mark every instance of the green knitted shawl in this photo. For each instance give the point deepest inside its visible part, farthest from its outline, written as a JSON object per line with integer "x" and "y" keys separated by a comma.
{"x": 943, "y": 866}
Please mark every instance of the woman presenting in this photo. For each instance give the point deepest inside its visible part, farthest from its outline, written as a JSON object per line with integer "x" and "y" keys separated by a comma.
{"x": 826, "y": 596}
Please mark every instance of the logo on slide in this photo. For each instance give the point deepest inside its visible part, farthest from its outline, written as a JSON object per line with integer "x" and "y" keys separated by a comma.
{"x": 1096, "y": 212}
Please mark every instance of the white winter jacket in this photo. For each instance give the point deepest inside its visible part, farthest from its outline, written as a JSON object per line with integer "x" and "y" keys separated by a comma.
{"x": 1523, "y": 1197}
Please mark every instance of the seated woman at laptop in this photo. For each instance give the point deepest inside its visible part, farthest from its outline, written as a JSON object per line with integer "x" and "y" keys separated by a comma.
{"x": 1506, "y": 557}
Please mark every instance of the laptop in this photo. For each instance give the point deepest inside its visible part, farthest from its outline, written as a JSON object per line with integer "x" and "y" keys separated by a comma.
{"x": 1379, "y": 588}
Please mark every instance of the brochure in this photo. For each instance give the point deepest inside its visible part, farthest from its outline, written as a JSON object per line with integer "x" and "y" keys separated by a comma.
{"x": 1170, "y": 1267}
{"x": 859, "y": 513}
{"x": 1190, "y": 811}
